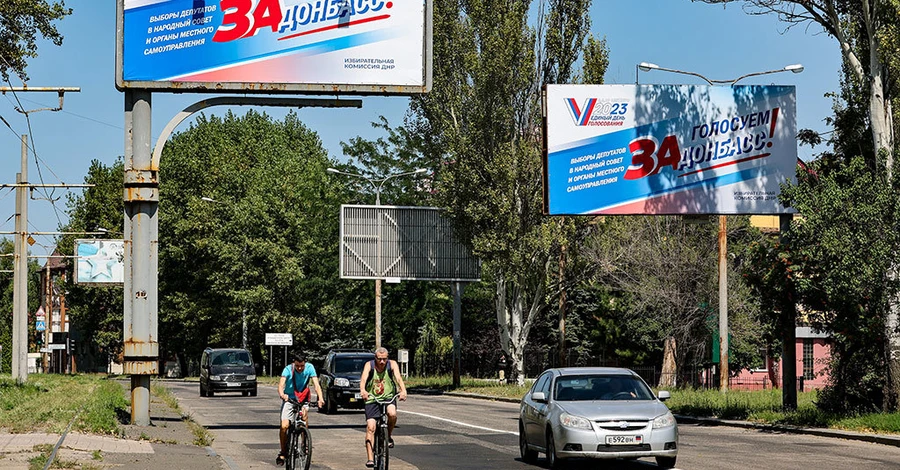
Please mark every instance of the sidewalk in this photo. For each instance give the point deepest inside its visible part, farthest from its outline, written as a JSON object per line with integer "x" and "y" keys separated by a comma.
{"x": 168, "y": 443}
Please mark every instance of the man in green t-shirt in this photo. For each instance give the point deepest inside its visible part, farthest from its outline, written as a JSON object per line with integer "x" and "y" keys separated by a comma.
{"x": 380, "y": 380}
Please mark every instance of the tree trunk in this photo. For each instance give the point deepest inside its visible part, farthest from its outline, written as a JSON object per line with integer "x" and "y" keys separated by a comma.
{"x": 669, "y": 367}
{"x": 514, "y": 321}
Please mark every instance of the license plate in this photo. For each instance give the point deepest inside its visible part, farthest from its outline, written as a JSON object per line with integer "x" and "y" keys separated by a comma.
{"x": 358, "y": 396}
{"x": 623, "y": 440}
{"x": 233, "y": 384}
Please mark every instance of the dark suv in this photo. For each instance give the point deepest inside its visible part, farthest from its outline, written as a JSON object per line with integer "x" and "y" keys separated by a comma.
{"x": 339, "y": 378}
{"x": 227, "y": 370}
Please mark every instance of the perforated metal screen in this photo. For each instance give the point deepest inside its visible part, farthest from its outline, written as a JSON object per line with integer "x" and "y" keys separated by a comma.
{"x": 402, "y": 243}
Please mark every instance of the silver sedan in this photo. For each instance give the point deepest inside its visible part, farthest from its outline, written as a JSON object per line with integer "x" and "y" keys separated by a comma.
{"x": 596, "y": 413}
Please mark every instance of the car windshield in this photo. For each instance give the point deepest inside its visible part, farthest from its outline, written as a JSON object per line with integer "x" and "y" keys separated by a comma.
{"x": 601, "y": 387}
{"x": 350, "y": 365}
{"x": 232, "y": 358}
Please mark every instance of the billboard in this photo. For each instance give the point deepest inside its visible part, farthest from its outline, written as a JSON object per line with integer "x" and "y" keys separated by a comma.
{"x": 275, "y": 46}
{"x": 668, "y": 149}
{"x": 403, "y": 243}
{"x": 100, "y": 262}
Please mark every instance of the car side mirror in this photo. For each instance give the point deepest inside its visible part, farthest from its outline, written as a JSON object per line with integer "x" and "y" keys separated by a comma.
{"x": 539, "y": 397}
{"x": 664, "y": 395}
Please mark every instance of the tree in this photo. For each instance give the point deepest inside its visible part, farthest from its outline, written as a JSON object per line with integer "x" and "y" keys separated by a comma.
{"x": 868, "y": 33}
{"x": 20, "y": 23}
{"x": 480, "y": 127}
{"x": 266, "y": 250}
{"x": 665, "y": 271}
{"x": 96, "y": 312}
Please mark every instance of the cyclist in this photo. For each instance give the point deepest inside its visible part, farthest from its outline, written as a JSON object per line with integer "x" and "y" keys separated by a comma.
{"x": 380, "y": 380}
{"x": 295, "y": 379}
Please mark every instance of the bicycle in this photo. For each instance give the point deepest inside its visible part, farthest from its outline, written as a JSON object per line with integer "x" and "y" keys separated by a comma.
{"x": 299, "y": 441}
{"x": 380, "y": 449}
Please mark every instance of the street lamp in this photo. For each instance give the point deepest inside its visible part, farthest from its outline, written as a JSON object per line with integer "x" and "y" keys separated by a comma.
{"x": 723, "y": 274}
{"x": 377, "y": 184}
{"x": 244, "y": 256}
{"x": 647, "y": 66}
{"x": 380, "y": 181}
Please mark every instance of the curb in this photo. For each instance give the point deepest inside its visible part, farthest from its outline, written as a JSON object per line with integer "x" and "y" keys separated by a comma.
{"x": 884, "y": 439}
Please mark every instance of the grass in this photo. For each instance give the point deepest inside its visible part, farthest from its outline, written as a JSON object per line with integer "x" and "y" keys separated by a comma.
{"x": 468, "y": 385}
{"x": 48, "y": 402}
{"x": 202, "y": 436}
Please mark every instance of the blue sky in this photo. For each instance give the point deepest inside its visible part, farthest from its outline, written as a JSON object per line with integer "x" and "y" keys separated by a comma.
{"x": 719, "y": 43}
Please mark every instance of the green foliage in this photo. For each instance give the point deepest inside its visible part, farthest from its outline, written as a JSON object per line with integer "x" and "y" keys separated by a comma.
{"x": 95, "y": 312}
{"x": 657, "y": 277}
{"x": 21, "y": 21}
{"x": 838, "y": 258}
{"x": 479, "y": 131}
{"x": 7, "y": 248}
{"x": 267, "y": 246}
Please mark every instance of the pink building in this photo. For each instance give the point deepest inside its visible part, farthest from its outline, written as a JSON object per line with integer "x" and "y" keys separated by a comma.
{"x": 813, "y": 355}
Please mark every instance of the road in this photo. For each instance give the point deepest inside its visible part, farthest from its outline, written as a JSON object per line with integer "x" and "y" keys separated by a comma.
{"x": 438, "y": 432}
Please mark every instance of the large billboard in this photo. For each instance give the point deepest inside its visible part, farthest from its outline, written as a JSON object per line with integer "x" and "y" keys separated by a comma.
{"x": 100, "y": 262}
{"x": 668, "y": 149}
{"x": 275, "y": 46}
{"x": 403, "y": 244}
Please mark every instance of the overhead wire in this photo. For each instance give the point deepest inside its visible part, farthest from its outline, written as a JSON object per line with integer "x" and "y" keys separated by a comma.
{"x": 32, "y": 146}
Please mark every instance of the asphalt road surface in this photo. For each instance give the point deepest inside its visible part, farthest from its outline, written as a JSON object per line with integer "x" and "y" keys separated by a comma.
{"x": 439, "y": 432}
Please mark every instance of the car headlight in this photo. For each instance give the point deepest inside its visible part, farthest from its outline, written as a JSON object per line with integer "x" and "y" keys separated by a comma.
{"x": 251, "y": 377}
{"x": 576, "y": 422}
{"x": 664, "y": 421}
{"x": 341, "y": 382}
{"x": 214, "y": 377}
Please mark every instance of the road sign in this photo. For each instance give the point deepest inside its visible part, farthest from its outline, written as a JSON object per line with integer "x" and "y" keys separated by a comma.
{"x": 40, "y": 326}
{"x": 57, "y": 347}
{"x": 279, "y": 339}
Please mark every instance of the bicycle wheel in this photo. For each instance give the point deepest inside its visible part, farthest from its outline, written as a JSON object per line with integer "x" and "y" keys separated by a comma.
{"x": 290, "y": 461}
{"x": 304, "y": 448}
{"x": 381, "y": 441}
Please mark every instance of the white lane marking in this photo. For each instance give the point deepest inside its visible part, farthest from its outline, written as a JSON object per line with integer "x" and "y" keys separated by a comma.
{"x": 459, "y": 423}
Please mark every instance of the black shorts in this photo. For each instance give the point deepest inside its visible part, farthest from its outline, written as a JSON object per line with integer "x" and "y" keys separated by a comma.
{"x": 373, "y": 410}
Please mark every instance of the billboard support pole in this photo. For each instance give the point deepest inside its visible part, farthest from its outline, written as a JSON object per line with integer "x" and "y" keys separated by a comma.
{"x": 723, "y": 304}
{"x": 141, "y": 195}
{"x": 457, "y": 288}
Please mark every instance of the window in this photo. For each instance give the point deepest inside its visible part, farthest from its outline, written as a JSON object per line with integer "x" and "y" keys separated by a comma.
{"x": 808, "y": 359}
{"x": 542, "y": 384}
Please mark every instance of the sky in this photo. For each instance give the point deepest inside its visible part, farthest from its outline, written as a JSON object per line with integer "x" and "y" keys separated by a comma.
{"x": 720, "y": 43}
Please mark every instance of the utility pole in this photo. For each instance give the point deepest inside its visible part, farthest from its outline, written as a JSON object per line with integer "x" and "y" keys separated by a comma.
{"x": 20, "y": 274}
{"x": 20, "y": 255}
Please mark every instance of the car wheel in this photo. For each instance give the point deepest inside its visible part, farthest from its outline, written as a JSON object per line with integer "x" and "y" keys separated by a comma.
{"x": 202, "y": 391}
{"x": 528, "y": 455}
{"x": 330, "y": 404}
{"x": 552, "y": 460}
{"x": 210, "y": 393}
{"x": 253, "y": 392}
{"x": 665, "y": 462}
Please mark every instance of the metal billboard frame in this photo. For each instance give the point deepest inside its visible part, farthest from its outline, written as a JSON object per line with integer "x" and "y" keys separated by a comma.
{"x": 413, "y": 244}
{"x": 276, "y": 88}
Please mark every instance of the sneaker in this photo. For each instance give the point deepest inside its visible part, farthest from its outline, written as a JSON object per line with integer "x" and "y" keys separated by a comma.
{"x": 370, "y": 464}
{"x": 279, "y": 460}
{"x": 390, "y": 443}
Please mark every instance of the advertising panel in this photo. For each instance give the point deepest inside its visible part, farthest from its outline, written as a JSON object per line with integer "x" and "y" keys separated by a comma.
{"x": 668, "y": 149}
{"x": 325, "y": 46}
{"x": 100, "y": 262}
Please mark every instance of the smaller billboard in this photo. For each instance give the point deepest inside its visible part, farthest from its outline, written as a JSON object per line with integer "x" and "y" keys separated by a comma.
{"x": 668, "y": 149}
{"x": 279, "y": 339}
{"x": 100, "y": 262}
